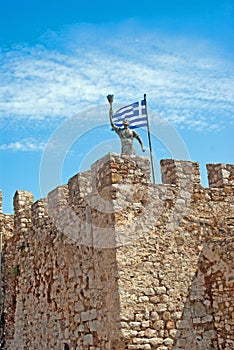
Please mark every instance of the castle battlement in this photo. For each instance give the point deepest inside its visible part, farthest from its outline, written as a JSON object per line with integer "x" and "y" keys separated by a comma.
{"x": 112, "y": 261}
{"x": 113, "y": 169}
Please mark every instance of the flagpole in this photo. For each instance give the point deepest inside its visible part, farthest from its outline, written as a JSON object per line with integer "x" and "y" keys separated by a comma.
{"x": 149, "y": 138}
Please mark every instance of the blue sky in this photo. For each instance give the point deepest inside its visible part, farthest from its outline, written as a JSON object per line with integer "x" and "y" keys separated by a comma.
{"x": 59, "y": 60}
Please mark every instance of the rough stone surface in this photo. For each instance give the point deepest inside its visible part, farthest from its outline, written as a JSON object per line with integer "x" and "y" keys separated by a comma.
{"x": 113, "y": 262}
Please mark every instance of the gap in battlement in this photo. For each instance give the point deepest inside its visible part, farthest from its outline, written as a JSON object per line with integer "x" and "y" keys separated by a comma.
{"x": 204, "y": 176}
{"x": 7, "y": 201}
{"x": 157, "y": 170}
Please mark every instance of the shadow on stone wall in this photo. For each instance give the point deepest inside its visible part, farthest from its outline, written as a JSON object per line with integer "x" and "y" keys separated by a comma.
{"x": 208, "y": 317}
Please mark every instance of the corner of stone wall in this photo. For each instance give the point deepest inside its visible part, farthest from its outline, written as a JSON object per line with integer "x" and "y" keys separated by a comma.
{"x": 116, "y": 168}
{"x": 220, "y": 175}
{"x": 112, "y": 175}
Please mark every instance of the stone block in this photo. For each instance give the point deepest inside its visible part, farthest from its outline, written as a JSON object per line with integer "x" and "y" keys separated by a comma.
{"x": 88, "y": 339}
{"x": 88, "y": 315}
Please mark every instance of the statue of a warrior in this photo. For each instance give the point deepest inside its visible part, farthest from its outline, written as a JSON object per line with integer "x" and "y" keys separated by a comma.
{"x": 125, "y": 134}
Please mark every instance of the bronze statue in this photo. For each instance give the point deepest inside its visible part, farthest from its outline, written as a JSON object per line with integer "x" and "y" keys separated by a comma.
{"x": 125, "y": 134}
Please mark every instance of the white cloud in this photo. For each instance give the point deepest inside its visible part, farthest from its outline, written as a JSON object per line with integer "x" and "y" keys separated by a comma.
{"x": 24, "y": 145}
{"x": 190, "y": 87}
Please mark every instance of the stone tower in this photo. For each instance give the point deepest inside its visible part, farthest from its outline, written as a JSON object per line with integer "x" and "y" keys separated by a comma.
{"x": 112, "y": 261}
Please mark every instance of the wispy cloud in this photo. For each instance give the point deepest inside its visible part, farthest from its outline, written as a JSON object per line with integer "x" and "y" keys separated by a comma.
{"x": 24, "y": 145}
{"x": 190, "y": 87}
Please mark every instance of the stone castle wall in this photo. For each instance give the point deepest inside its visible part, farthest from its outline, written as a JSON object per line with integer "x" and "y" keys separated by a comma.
{"x": 112, "y": 261}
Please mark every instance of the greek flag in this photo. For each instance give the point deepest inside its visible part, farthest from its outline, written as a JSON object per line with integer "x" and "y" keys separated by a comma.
{"x": 135, "y": 113}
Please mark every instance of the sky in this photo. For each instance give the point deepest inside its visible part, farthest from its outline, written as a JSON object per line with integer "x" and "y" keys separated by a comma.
{"x": 59, "y": 59}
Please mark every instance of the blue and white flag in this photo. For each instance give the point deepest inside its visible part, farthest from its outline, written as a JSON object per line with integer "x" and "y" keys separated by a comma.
{"x": 134, "y": 113}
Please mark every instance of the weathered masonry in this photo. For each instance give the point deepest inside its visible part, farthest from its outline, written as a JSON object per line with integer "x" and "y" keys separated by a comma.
{"x": 112, "y": 261}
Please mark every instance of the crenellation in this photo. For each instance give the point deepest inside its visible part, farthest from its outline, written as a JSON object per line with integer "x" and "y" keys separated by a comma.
{"x": 58, "y": 197}
{"x": 39, "y": 211}
{"x": 6, "y": 226}
{"x": 220, "y": 175}
{"x": 23, "y": 201}
{"x": 58, "y": 211}
{"x": 79, "y": 187}
{"x": 114, "y": 262}
{"x": 179, "y": 172}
